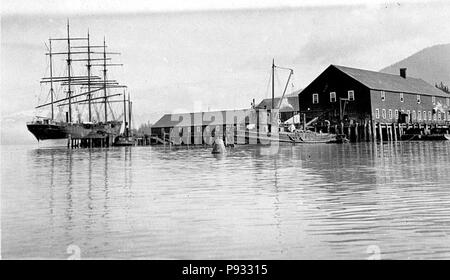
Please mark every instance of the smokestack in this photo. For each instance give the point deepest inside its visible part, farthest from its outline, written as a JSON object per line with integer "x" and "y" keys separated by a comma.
{"x": 403, "y": 72}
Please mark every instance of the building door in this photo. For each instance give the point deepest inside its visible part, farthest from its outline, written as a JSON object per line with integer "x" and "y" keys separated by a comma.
{"x": 402, "y": 117}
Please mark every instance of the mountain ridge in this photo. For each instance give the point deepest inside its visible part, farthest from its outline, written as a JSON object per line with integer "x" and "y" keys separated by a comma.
{"x": 431, "y": 64}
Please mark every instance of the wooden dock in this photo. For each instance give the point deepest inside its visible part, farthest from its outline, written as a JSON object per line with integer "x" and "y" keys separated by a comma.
{"x": 371, "y": 131}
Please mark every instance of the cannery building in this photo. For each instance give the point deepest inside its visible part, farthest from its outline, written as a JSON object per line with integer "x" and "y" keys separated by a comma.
{"x": 203, "y": 127}
{"x": 347, "y": 95}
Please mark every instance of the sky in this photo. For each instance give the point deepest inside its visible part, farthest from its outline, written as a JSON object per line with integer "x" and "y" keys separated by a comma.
{"x": 183, "y": 56}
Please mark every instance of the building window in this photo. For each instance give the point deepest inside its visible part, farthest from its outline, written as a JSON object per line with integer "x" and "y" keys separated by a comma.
{"x": 418, "y": 99}
{"x": 439, "y": 115}
{"x": 401, "y": 97}
{"x": 351, "y": 95}
{"x": 377, "y": 113}
{"x": 408, "y": 113}
{"x": 447, "y": 100}
{"x": 396, "y": 114}
{"x": 424, "y": 115}
{"x": 315, "y": 98}
{"x": 433, "y": 100}
{"x": 434, "y": 117}
{"x": 414, "y": 115}
{"x": 390, "y": 114}
{"x": 419, "y": 115}
{"x": 332, "y": 97}
{"x": 383, "y": 96}
{"x": 429, "y": 116}
{"x": 383, "y": 113}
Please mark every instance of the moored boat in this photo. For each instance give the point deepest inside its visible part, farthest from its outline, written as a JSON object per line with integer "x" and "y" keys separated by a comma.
{"x": 79, "y": 91}
{"x": 291, "y": 134}
{"x": 297, "y": 137}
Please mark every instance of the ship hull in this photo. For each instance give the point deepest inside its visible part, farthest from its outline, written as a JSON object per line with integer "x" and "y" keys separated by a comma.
{"x": 47, "y": 131}
{"x": 76, "y": 131}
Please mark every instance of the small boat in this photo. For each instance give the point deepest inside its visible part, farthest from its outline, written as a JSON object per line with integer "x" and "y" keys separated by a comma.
{"x": 307, "y": 136}
{"x": 291, "y": 135}
{"x": 340, "y": 139}
{"x": 124, "y": 141}
{"x": 297, "y": 137}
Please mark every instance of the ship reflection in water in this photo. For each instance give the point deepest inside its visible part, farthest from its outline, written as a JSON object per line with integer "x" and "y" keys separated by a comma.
{"x": 307, "y": 201}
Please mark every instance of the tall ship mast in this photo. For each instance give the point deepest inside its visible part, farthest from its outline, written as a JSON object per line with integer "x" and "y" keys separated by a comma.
{"x": 84, "y": 85}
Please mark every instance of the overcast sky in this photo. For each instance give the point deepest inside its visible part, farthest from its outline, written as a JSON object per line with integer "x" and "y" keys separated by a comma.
{"x": 216, "y": 55}
{"x": 120, "y": 6}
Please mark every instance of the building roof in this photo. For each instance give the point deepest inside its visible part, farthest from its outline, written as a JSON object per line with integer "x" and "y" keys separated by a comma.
{"x": 170, "y": 120}
{"x": 200, "y": 118}
{"x": 289, "y": 104}
{"x": 389, "y": 82}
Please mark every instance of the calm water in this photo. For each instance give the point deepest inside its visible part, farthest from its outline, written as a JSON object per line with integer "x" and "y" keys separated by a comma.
{"x": 354, "y": 201}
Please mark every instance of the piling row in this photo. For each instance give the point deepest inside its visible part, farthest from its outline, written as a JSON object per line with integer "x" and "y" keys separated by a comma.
{"x": 368, "y": 131}
{"x": 376, "y": 131}
{"x": 73, "y": 143}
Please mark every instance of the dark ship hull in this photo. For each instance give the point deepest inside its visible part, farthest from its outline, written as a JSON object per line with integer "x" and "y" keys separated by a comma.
{"x": 46, "y": 131}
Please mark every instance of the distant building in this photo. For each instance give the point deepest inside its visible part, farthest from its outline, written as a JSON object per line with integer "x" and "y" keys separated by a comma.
{"x": 343, "y": 94}
{"x": 289, "y": 107}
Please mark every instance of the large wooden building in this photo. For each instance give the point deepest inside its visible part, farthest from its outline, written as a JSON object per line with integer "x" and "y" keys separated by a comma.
{"x": 348, "y": 95}
{"x": 202, "y": 127}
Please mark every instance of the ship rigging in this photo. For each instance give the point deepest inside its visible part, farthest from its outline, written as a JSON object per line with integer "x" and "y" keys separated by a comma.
{"x": 81, "y": 89}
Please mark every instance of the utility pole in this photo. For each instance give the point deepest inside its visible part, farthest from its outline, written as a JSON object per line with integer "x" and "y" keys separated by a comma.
{"x": 125, "y": 113}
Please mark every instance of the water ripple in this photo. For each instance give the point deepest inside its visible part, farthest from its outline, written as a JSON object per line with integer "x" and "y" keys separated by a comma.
{"x": 306, "y": 201}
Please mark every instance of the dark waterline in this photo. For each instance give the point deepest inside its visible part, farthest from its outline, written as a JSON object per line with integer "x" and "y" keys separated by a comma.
{"x": 303, "y": 202}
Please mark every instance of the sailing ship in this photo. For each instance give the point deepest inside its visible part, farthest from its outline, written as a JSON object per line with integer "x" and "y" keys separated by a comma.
{"x": 81, "y": 89}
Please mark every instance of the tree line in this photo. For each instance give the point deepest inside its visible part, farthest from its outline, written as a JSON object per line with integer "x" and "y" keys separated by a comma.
{"x": 442, "y": 87}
